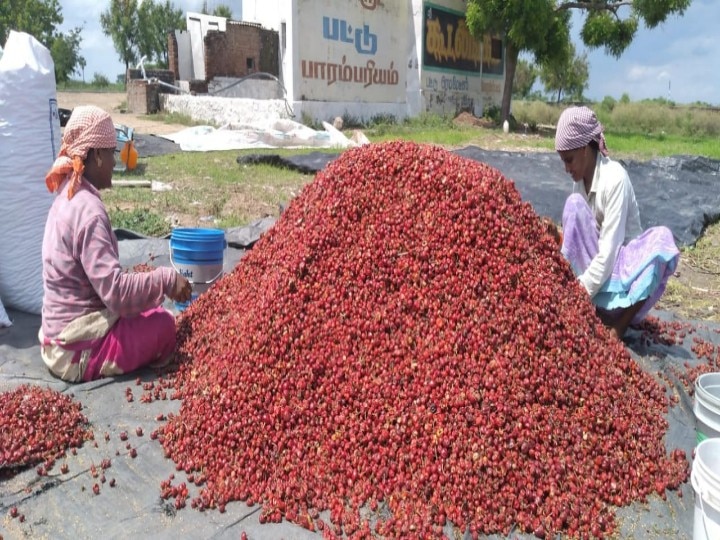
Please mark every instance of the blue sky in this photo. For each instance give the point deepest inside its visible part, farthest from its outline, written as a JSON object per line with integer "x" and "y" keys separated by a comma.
{"x": 679, "y": 59}
{"x": 679, "y": 56}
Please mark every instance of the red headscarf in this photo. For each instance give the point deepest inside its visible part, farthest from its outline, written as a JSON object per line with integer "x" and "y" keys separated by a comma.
{"x": 88, "y": 127}
{"x": 576, "y": 128}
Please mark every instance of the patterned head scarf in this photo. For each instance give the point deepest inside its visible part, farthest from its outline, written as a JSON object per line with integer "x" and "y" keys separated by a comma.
{"x": 576, "y": 128}
{"x": 88, "y": 127}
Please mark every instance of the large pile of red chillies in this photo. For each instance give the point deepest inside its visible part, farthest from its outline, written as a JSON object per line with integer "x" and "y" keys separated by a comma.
{"x": 405, "y": 349}
{"x": 37, "y": 425}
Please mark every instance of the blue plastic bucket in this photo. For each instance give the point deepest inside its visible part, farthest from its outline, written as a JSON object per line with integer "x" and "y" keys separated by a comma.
{"x": 198, "y": 255}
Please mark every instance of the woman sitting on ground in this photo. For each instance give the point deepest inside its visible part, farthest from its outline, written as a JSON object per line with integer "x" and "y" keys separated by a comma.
{"x": 623, "y": 269}
{"x": 97, "y": 320}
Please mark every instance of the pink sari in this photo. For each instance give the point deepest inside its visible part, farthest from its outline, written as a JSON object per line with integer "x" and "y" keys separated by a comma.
{"x": 102, "y": 345}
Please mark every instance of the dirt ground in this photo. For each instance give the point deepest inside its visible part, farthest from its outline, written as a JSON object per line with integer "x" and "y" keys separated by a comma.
{"x": 116, "y": 103}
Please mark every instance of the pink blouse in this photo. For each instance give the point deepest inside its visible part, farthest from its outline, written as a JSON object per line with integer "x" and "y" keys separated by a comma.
{"x": 81, "y": 268}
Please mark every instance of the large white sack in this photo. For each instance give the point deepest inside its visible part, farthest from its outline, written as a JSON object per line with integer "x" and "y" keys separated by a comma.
{"x": 4, "y": 319}
{"x": 29, "y": 142}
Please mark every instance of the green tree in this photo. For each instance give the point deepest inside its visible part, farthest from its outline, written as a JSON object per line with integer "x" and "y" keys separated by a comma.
{"x": 65, "y": 50}
{"x": 525, "y": 76}
{"x": 221, "y": 10}
{"x": 569, "y": 75}
{"x": 156, "y": 22}
{"x": 120, "y": 22}
{"x": 81, "y": 67}
{"x": 542, "y": 27}
{"x": 38, "y": 18}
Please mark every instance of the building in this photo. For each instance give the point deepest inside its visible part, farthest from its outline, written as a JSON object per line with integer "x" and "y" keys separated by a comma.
{"x": 352, "y": 58}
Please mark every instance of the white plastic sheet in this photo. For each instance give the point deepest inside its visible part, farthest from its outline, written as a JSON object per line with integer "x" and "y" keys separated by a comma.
{"x": 29, "y": 142}
{"x": 277, "y": 134}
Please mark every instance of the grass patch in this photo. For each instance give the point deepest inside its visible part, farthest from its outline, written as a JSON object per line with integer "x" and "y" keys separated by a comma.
{"x": 80, "y": 86}
{"x": 139, "y": 220}
{"x": 694, "y": 291}
{"x": 208, "y": 189}
{"x": 650, "y": 146}
{"x": 178, "y": 118}
{"x": 443, "y": 137}
{"x": 212, "y": 189}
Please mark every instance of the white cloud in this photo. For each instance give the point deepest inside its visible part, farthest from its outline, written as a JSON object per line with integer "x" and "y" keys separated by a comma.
{"x": 672, "y": 60}
{"x": 638, "y": 73}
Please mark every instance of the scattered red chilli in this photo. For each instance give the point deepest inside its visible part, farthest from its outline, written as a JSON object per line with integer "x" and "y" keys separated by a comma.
{"x": 142, "y": 267}
{"x": 38, "y": 425}
{"x": 670, "y": 333}
{"x": 408, "y": 340}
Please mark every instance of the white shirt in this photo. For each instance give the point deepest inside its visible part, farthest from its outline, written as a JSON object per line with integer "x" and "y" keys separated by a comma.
{"x": 617, "y": 217}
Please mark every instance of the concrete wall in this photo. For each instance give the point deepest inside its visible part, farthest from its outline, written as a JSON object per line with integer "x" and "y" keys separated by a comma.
{"x": 230, "y": 112}
{"x": 180, "y": 55}
{"x": 249, "y": 88}
{"x": 346, "y": 54}
{"x": 356, "y": 53}
{"x": 457, "y": 71}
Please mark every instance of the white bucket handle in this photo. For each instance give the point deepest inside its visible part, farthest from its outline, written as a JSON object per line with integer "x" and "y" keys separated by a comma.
{"x": 222, "y": 268}
{"x": 702, "y": 509}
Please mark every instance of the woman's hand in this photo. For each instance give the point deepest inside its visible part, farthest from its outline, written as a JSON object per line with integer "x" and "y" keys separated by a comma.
{"x": 182, "y": 290}
{"x": 552, "y": 229}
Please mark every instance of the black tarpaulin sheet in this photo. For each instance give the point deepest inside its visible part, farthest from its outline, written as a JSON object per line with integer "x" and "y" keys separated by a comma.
{"x": 154, "y": 145}
{"x": 243, "y": 237}
{"x": 309, "y": 163}
{"x": 679, "y": 192}
{"x": 64, "y": 506}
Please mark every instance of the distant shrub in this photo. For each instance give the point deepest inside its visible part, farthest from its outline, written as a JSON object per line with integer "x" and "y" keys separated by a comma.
{"x": 608, "y": 104}
{"x": 655, "y": 118}
{"x": 382, "y": 119}
{"x": 100, "y": 80}
{"x": 493, "y": 113}
{"x": 639, "y": 117}
{"x": 351, "y": 121}
{"x": 536, "y": 113}
{"x": 310, "y": 122}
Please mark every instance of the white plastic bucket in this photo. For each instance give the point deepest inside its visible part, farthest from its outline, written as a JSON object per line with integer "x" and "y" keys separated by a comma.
{"x": 707, "y": 406}
{"x": 705, "y": 479}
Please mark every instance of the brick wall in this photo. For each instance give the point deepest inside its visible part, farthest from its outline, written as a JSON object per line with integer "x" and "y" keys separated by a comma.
{"x": 269, "y": 51}
{"x": 143, "y": 97}
{"x": 198, "y": 87}
{"x": 242, "y": 49}
{"x": 173, "y": 62}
